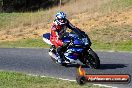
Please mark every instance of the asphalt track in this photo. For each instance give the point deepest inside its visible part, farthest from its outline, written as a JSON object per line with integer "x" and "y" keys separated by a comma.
{"x": 38, "y": 62}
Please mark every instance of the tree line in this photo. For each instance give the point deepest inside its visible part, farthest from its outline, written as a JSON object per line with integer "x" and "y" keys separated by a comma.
{"x": 27, "y": 5}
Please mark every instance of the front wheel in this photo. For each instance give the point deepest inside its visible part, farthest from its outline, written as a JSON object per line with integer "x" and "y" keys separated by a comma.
{"x": 93, "y": 60}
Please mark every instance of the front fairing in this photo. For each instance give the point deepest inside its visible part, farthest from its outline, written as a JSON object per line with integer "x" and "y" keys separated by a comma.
{"x": 77, "y": 40}
{"x": 73, "y": 53}
{"x": 77, "y": 46}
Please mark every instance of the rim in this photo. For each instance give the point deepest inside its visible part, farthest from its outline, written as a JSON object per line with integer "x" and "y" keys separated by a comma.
{"x": 92, "y": 61}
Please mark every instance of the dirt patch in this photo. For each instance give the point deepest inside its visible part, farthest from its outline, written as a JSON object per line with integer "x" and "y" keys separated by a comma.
{"x": 113, "y": 27}
{"x": 23, "y": 33}
{"x": 90, "y": 21}
{"x": 85, "y": 21}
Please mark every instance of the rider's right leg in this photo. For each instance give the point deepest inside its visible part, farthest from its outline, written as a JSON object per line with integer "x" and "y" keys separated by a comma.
{"x": 61, "y": 50}
{"x": 60, "y": 54}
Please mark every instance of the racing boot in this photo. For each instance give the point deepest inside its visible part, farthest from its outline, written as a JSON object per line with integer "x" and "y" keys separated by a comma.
{"x": 61, "y": 51}
{"x": 59, "y": 60}
{"x": 60, "y": 55}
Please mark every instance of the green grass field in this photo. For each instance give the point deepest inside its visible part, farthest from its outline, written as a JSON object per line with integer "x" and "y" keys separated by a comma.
{"x": 96, "y": 45}
{"x": 115, "y": 46}
{"x": 25, "y": 43}
{"x": 107, "y": 39}
{"x": 19, "y": 80}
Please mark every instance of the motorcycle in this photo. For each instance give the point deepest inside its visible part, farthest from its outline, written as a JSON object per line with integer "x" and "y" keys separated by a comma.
{"x": 78, "y": 50}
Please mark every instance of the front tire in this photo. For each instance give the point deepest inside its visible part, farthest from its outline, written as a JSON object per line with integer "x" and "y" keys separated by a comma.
{"x": 93, "y": 60}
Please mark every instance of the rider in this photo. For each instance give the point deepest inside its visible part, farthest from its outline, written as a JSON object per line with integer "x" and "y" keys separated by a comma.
{"x": 58, "y": 29}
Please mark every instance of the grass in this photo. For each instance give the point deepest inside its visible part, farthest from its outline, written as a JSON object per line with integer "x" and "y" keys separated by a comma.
{"x": 96, "y": 45}
{"x": 19, "y": 80}
{"x": 18, "y": 20}
{"x": 29, "y": 19}
{"x": 28, "y": 43}
{"x": 109, "y": 38}
{"x": 15, "y": 20}
{"x": 116, "y": 5}
{"x": 115, "y": 46}
{"x": 111, "y": 34}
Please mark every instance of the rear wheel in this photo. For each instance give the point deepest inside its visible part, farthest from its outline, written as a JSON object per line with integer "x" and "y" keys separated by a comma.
{"x": 93, "y": 60}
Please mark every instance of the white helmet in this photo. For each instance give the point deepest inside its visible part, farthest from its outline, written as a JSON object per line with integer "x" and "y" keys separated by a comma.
{"x": 61, "y": 18}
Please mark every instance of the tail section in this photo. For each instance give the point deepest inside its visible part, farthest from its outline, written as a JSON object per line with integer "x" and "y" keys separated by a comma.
{"x": 46, "y": 38}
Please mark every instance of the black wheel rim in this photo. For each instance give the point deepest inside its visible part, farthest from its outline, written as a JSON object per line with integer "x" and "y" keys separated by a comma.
{"x": 92, "y": 61}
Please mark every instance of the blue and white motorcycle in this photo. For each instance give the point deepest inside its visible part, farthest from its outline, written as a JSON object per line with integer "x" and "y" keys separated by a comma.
{"x": 78, "y": 50}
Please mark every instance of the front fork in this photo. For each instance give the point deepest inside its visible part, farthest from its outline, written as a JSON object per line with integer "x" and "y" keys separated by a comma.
{"x": 84, "y": 56}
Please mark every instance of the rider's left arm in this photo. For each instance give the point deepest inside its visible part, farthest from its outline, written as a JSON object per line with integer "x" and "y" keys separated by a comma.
{"x": 70, "y": 26}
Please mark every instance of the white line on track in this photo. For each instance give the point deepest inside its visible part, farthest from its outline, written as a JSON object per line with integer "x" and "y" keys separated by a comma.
{"x": 101, "y": 85}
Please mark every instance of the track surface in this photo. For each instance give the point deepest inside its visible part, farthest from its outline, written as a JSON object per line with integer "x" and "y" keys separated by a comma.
{"x": 38, "y": 62}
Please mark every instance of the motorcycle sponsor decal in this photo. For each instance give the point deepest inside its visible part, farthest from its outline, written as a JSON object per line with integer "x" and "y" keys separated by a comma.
{"x": 82, "y": 77}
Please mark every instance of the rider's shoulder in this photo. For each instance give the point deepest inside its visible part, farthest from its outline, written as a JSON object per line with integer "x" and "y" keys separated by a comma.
{"x": 53, "y": 26}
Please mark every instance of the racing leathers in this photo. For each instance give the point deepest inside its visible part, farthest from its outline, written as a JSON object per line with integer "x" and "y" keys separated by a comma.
{"x": 57, "y": 32}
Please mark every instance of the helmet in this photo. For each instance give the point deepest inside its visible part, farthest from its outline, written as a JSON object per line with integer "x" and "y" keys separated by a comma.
{"x": 61, "y": 18}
